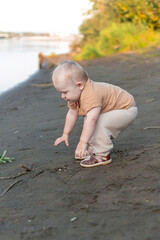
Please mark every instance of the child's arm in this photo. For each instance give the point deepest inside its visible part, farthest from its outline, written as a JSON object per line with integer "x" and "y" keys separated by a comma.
{"x": 88, "y": 129}
{"x": 71, "y": 119}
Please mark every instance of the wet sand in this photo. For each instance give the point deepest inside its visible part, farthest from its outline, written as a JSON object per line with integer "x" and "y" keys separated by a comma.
{"x": 59, "y": 199}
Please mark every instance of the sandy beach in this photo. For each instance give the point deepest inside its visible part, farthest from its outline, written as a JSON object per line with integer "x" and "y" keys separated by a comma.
{"x": 59, "y": 199}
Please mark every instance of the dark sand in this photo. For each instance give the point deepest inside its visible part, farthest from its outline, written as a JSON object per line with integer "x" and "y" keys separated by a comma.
{"x": 61, "y": 200}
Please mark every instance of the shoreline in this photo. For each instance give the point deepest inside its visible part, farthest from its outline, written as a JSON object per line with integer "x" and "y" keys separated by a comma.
{"x": 18, "y": 84}
{"x": 11, "y": 91}
{"x": 58, "y": 192}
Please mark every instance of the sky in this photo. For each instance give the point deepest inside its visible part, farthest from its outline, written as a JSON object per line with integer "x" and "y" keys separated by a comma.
{"x": 54, "y": 16}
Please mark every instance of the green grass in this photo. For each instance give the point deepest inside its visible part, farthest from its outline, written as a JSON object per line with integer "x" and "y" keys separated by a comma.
{"x": 88, "y": 52}
{"x": 120, "y": 38}
{"x": 4, "y": 159}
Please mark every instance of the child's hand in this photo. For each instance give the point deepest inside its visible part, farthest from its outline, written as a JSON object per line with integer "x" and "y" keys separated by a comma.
{"x": 63, "y": 138}
{"x": 80, "y": 150}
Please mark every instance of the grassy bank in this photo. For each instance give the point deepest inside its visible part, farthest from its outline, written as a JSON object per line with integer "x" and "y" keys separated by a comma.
{"x": 119, "y": 38}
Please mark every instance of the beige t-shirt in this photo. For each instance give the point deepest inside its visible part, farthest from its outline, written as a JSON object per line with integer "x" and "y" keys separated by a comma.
{"x": 98, "y": 94}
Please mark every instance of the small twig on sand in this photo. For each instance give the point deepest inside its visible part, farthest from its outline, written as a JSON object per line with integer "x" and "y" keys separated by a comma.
{"x": 28, "y": 169}
{"x": 17, "y": 175}
{"x": 42, "y": 85}
{"x": 150, "y": 100}
{"x": 152, "y": 127}
{"x": 154, "y": 146}
{"x": 10, "y": 187}
{"x": 155, "y": 168}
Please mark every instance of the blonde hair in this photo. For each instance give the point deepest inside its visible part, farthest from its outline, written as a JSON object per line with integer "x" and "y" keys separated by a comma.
{"x": 69, "y": 71}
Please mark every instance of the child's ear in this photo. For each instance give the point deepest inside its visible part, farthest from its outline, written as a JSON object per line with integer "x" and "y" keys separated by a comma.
{"x": 80, "y": 85}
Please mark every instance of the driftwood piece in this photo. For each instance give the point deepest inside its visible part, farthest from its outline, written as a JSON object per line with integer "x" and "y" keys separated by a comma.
{"x": 49, "y": 61}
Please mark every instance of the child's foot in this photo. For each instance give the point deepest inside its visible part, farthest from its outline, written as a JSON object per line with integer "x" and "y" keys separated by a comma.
{"x": 88, "y": 153}
{"x": 94, "y": 160}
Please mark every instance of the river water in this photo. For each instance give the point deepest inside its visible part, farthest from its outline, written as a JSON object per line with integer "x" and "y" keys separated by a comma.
{"x": 19, "y": 58}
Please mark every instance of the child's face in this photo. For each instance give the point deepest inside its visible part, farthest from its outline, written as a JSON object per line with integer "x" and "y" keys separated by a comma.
{"x": 69, "y": 92}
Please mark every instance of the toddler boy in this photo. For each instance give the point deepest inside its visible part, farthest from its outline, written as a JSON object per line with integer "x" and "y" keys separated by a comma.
{"x": 107, "y": 109}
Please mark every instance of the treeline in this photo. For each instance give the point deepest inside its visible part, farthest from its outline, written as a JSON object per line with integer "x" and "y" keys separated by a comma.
{"x": 118, "y": 26}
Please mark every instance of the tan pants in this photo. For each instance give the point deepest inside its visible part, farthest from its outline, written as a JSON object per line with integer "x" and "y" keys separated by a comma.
{"x": 109, "y": 125}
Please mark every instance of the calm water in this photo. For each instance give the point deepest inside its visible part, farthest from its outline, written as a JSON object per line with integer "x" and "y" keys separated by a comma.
{"x": 19, "y": 58}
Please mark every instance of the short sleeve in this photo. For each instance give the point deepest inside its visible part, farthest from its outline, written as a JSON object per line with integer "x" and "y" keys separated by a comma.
{"x": 89, "y": 99}
{"x": 90, "y": 102}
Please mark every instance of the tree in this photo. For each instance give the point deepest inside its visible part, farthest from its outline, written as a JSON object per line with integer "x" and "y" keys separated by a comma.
{"x": 104, "y": 12}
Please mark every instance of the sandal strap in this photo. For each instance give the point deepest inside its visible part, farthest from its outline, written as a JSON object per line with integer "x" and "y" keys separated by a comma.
{"x": 91, "y": 160}
{"x": 94, "y": 160}
{"x": 106, "y": 158}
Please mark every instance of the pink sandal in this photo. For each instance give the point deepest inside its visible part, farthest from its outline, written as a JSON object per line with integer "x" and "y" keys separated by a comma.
{"x": 92, "y": 161}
